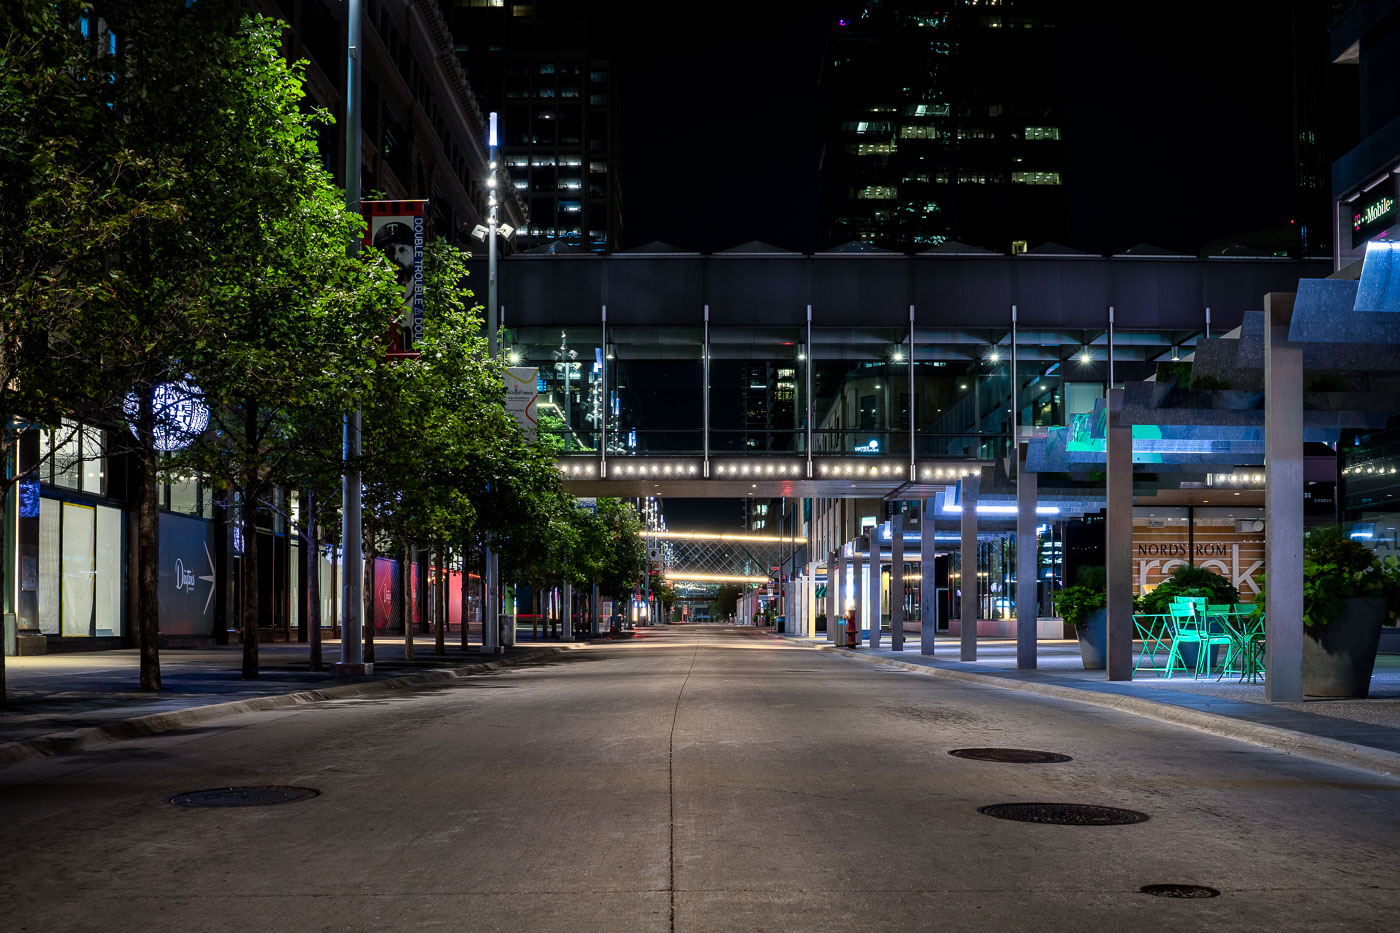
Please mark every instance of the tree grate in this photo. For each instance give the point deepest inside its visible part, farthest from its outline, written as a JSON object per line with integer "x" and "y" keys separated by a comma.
{"x": 258, "y": 796}
{"x": 1179, "y": 890}
{"x": 1064, "y": 814}
{"x": 1011, "y": 756}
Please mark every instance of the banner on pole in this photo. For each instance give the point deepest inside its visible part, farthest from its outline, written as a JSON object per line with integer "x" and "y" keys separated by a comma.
{"x": 398, "y": 230}
{"x": 522, "y": 398}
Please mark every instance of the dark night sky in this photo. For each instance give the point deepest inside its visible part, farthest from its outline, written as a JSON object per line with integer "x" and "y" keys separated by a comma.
{"x": 1176, "y": 127}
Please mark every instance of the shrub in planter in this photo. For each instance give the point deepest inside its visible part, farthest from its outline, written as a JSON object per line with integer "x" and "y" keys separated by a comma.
{"x": 1082, "y": 605}
{"x": 1076, "y": 603}
{"x": 1348, "y": 592}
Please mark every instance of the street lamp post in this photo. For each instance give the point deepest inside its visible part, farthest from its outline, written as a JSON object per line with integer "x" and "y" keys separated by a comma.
{"x": 490, "y": 603}
{"x": 352, "y": 659}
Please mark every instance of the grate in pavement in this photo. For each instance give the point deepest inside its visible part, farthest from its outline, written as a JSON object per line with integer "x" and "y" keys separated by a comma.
{"x": 257, "y": 796}
{"x": 1179, "y": 890}
{"x": 1064, "y": 814}
{"x": 1011, "y": 756}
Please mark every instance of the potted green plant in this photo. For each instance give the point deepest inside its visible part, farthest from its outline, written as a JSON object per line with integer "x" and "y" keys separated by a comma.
{"x": 1348, "y": 594}
{"x": 1083, "y": 606}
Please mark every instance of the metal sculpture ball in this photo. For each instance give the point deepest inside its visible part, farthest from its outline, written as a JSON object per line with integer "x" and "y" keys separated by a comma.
{"x": 180, "y": 415}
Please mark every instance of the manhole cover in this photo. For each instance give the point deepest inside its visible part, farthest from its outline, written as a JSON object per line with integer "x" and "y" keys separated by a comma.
{"x": 1012, "y": 756}
{"x": 1179, "y": 890}
{"x": 243, "y": 796}
{"x": 1064, "y": 814}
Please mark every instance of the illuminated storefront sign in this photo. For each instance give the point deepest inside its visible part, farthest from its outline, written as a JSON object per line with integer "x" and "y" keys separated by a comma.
{"x": 1374, "y": 212}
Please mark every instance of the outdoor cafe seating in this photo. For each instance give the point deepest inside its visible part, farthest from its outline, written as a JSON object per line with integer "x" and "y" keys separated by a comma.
{"x": 1202, "y": 639}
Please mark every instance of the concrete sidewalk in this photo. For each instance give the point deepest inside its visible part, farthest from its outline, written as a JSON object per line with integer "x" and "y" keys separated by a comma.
{"x": 64, "y": 702}
{"x": 1356, "y": 733}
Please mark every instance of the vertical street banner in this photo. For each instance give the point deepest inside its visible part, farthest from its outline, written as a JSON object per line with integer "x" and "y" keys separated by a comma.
{"x": 397, "y": 229}
{"x": 522, "y": 398}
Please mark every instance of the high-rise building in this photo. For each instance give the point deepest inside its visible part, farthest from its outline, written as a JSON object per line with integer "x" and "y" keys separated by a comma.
{"x": 544, "y": 67}
{"x": 1325, "y": 119}
{"x": 943, "y": 122}
{"x": 422, "y": 134}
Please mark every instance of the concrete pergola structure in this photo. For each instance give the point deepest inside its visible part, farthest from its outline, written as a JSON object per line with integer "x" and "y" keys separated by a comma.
{"x": 1346, "y": 329}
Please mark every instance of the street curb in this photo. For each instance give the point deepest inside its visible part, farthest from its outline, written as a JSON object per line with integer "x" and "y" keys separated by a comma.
{"x": 75, "y": 740}
{"x": 1315, "y": 748}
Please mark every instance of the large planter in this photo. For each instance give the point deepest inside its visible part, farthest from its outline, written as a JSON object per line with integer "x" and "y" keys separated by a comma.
{"x": 1093, "y": 640}
{"x": 1338, "y": 657}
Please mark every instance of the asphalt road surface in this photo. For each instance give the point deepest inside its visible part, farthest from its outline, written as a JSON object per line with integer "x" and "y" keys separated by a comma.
{"x": 691, "y": 779}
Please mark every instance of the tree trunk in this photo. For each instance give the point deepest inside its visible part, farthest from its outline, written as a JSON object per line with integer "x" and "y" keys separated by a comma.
{"x": 440, "y": 604}
{"x": 147, "y": 546}
{"x": 465, "y": 596}
{"x": 313, "y": 581}
{"x": 369, "y": 600}
{"x": 9, "y": 484}
{"x": 251, "y": 601}
{"x": 406, "y": 597}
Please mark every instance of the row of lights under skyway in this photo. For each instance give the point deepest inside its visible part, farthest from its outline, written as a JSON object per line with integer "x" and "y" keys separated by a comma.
{"x": 1237, "y": 479}
{"x": 824, "y": 469}
{"x": 1374, "y": 469}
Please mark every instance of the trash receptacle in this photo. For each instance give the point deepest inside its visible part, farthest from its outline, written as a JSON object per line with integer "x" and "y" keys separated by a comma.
{"x": 782, "y": 624}
{"x": 848, "y": 631}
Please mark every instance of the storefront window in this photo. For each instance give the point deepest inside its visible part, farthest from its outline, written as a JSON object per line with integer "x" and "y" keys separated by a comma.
{"x": 80, "y": 583}
{"x": 74, "y": 456}
{"x": 77, "y": 566}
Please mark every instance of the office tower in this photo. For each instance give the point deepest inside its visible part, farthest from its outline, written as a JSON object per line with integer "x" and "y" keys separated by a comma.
{"x": 544, "y": 66}
{"x": 943, "y": 122}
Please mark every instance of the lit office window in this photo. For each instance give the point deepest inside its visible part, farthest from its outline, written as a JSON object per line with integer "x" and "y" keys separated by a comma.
{"x": 1035, "y": 178}
{"x": 877, "y": 193}
{"x": 1042, "y": 132}
{"x": 875, "y": 149}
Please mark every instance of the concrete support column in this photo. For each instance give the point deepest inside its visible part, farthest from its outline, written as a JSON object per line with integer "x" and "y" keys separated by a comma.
{"x": 967, "y": 582}
{"x": 928, "y": 592}
{"x": 858, "y": 581}
{"x": 833, "y": 593}
{"x": 1118, "y": 532}
{"x": 566, "y": 613}
{"x": 809, "y": 621}
{"x": 1283, "y": 505}
{"x": 897, "y": 583}
{"x": 1027, "y": 552}
{"x": 875, "y": 597}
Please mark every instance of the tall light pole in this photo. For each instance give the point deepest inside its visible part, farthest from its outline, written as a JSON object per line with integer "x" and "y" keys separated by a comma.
{"x": 490, "y": 603}
{"x": 352, "y": 658}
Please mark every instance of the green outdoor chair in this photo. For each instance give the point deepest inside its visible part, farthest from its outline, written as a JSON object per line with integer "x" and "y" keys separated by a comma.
{"x": 1185, "y": 630}
{"x": 1216, "y": 631}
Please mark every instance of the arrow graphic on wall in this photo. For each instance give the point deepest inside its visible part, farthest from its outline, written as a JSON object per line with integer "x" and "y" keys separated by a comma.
{"x": 210, "y": 558}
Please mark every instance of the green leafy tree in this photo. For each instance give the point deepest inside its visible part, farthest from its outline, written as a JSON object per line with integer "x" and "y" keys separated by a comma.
{"x": 301, "y": 323}
{"x": 110, "y": 270}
